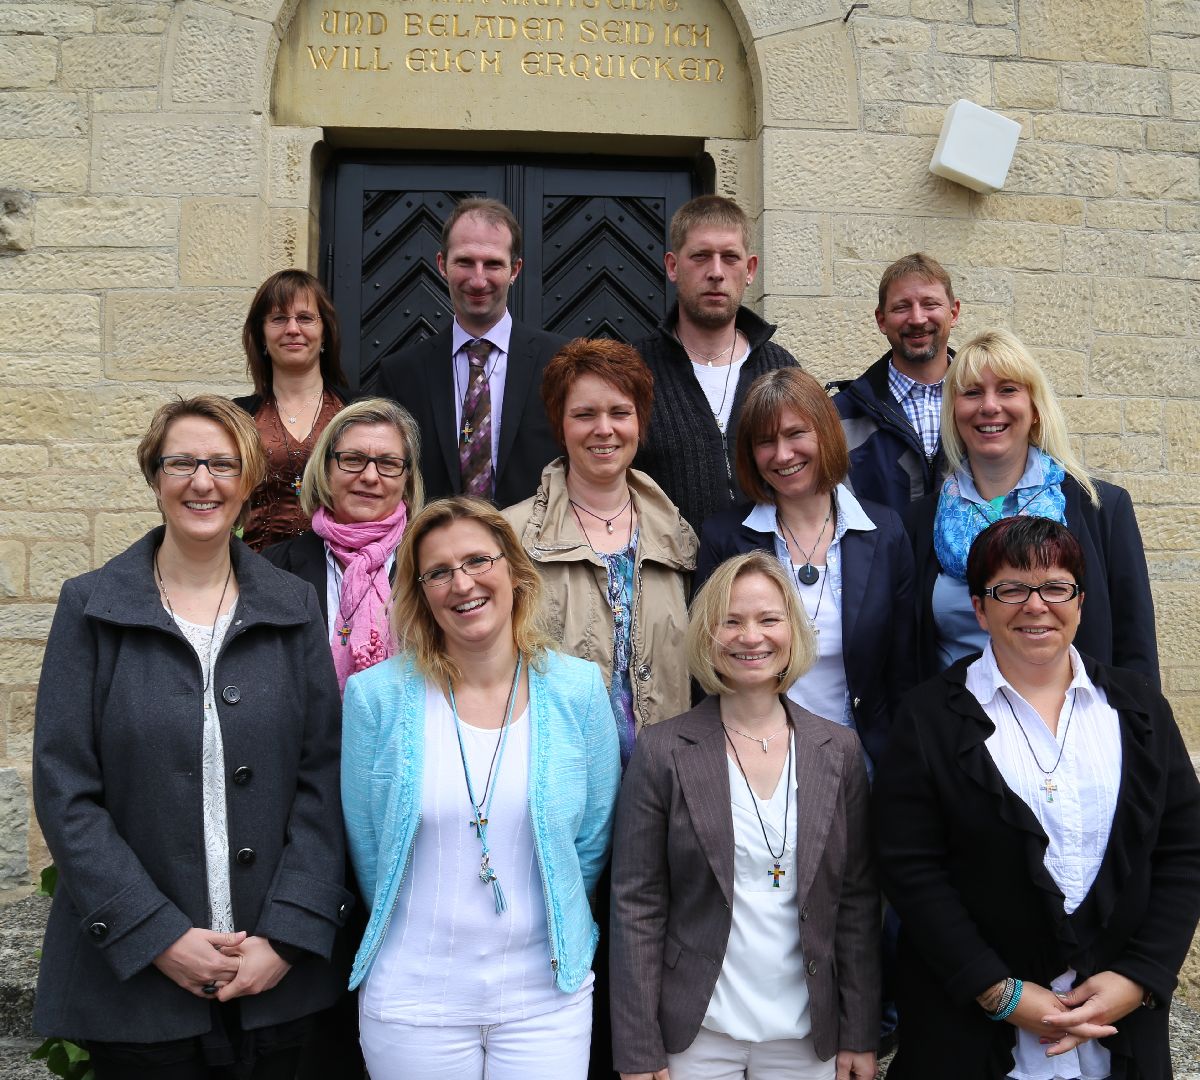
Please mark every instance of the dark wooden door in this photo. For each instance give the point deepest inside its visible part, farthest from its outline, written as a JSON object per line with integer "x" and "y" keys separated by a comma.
{"x": 594, "y": 239}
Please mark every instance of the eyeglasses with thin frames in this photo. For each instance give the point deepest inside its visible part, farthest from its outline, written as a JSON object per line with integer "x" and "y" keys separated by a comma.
{"x": 1017, "y": 592}
{"x": 304, "y": 319}
{"x": 352, "y": 461}
{"x": 220, "y": 468}
{"x": 475, "y": 566}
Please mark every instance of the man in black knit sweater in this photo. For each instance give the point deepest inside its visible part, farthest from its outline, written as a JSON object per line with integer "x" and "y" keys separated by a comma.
{"x": 704, "y": 357}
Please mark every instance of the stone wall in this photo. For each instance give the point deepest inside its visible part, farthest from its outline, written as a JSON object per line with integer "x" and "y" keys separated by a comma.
{"x": 144, "y": 191}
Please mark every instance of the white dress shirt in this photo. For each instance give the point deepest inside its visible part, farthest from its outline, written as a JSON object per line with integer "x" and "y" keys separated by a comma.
{"x": 822, "y": 689}
{"x": 1076, "y": 816}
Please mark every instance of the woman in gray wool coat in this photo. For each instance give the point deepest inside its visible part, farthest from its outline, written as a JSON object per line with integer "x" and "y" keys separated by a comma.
{"x": 186, "y": 779}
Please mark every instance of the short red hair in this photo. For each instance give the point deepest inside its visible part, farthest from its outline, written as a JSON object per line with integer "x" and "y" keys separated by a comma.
{"x": 614, "y": 362}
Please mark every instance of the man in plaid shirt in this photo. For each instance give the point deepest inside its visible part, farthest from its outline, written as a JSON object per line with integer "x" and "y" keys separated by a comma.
{"x": 892, "y": 413}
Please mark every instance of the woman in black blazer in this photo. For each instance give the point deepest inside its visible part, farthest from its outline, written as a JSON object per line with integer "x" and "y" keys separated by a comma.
{"x": 1037, "y": 823}
{"x": 1008, "y": 452}
{"x": 849, "y": 560}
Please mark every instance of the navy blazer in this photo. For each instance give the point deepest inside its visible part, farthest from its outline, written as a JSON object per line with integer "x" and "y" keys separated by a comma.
{"x": 877, "y": 608}
{"x": 421, "y": 378}
{"x": 1116, "y": 574}
{"x": 962, "y": 860}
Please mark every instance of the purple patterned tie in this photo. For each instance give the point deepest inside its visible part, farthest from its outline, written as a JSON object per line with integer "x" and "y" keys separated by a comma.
{"x": 475, "y": 442}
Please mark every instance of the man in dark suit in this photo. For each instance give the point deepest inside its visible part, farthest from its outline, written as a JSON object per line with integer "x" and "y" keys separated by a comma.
{"x": 475, "y": 388}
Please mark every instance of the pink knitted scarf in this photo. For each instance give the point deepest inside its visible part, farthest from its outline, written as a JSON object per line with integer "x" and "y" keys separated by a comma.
{"x": 361, "y": 634}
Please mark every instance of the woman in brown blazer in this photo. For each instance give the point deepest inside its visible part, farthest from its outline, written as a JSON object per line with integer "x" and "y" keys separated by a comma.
{"x": 745, "y": 916}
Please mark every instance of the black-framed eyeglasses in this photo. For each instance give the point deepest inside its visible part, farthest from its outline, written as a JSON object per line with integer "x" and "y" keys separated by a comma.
{"x": 474, "y": 567}
{"x": 303, "y": 319}
{"x": 352, "y": 461}
{"x": 1017, "y": 592}
{"x": 223, "y": 468}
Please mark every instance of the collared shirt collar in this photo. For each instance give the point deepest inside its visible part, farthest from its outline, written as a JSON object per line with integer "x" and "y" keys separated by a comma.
{"x": 901, "y": 385}
{"x": 850, "y": 515}
{"x": 1034, "y": 476}
{"x": 985, "y": 679}
{"x": 499, "y": 335}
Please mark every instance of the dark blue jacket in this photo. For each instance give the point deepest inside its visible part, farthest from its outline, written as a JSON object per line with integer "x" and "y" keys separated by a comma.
{"x": 887, "y": 458}
{"x": 877, "y": 608}
{"x": 1117, "y": 623}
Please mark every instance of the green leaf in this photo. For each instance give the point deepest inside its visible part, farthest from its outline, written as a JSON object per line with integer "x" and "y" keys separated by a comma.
{"x": 48, "y": 881}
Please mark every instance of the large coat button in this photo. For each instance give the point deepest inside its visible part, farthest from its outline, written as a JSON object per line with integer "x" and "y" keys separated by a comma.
{"x": 242, "y": 774}
{"x": 98, "y": 930}
{"x": 643, "y": 673}
{"x": 245, "y": 856}
{"x": 231, "y": 695}
{"x": 804, "y": 914}
{"x": 812, "y": 967}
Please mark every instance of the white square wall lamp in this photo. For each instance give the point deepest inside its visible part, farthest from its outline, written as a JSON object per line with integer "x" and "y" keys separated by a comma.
{"x": 976, "y": 147}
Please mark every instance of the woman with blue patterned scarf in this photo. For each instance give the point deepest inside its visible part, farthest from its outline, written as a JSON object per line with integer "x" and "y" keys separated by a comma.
{"x": 1008, "y": 453}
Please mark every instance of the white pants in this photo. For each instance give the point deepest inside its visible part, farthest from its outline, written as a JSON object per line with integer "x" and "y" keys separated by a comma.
{"x": 553, "y": 1046}
{"x": 714, "y": 1056}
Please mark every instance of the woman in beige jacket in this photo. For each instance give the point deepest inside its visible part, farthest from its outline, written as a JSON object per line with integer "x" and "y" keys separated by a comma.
{"x": 614, "y": 552}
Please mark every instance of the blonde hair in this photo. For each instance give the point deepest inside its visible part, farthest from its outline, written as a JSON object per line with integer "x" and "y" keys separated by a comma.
{"x": 233, "y": 419}
{"x": 1002, "y": 353}
{"x": 711, "y": 605}
{"x": 314, "y": 488}
{"x": 413, "y": 624}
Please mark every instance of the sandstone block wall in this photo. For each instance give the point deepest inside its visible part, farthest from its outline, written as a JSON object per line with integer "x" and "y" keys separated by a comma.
{"x": 145, "y": 190}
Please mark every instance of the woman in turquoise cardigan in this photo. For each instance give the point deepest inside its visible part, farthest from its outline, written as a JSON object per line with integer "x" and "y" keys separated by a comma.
{"x": 479, "y": 778}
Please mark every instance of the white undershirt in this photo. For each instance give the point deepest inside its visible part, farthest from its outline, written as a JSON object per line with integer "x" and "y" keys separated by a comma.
{"x": 447, "y": 957}
{"x": 761, "y": 992}
{"x": 1086, "y": 784}
{"x": 720, "y": 386}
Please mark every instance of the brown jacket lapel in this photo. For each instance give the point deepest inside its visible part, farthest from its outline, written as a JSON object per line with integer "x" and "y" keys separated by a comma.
{"x": 700, "y": 764}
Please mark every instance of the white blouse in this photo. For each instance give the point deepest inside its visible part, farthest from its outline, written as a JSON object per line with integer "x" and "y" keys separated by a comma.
{"x": 761, "y": 992}
{"x": 1074, "y": 802}
{"x": 447, "y": 957}
{"x": 207, "y": 641}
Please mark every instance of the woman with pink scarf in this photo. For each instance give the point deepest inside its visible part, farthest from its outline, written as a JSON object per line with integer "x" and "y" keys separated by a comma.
{"x": 361, "y": 486}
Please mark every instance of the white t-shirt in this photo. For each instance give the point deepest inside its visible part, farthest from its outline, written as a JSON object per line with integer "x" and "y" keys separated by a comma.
{"x": 720, "y": 386}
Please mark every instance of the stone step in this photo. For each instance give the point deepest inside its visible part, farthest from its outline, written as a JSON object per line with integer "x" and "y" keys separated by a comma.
{"x": 22, "y": 922}
{"x": 15, "y": 1063}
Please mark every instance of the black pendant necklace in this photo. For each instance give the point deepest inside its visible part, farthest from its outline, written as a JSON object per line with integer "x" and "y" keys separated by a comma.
{"x": 777, "y": 871}
{"x": 809, "y": 574}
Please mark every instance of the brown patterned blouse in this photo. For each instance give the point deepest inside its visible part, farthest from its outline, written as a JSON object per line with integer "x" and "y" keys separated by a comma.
{"x": 275, "y": 512}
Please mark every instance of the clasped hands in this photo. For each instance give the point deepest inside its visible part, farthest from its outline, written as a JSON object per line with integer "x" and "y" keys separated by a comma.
{"x": 235, "y": 964}
{"x": 1089, "y": 1011}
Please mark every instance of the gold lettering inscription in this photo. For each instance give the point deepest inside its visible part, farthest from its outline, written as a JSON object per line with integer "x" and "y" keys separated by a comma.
{"x": 442, "y": 61}
{"x": 686, "y": 35}
{"x": 372, "y": 23}
{"x": 534, "y": 29}
{"x": 556, "y": 3}
{"x": 618, "y": 66}
{"x": 348, "y": 58}
{"x": 616, "y": 32}
{"x": 497, "y": 27}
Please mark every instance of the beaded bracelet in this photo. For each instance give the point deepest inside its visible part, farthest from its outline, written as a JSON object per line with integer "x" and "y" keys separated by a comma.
{"x": 1008, "y": 1000}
